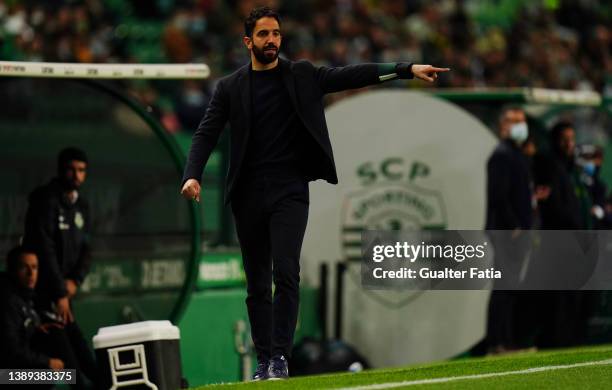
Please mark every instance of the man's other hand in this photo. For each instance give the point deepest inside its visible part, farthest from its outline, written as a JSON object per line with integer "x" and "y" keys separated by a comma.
{"x": 56, "y": 364}
{"x": 427, "y": 72}
{"x": 63, "y": 310}
{"x": 47, "y": 326}
{"x": 191, "y": 190}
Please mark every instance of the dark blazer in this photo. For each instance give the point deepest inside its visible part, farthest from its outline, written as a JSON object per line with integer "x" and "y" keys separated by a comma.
{"x": 306, "y": 84}
{"x": 508, "y": 189}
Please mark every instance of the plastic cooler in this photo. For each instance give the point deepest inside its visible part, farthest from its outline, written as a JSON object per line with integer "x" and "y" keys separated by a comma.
{"x": 139, "y": 355}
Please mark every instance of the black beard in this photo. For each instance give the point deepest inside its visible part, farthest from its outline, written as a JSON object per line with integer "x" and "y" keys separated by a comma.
{"x": 262, "y": 57}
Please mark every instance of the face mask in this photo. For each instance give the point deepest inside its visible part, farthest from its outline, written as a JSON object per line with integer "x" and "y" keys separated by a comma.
{"x": 589, "y": 168}
{"x": 194, "y": 98}
{"x": 198, "y": 25}
{"x": 519, "y": 132}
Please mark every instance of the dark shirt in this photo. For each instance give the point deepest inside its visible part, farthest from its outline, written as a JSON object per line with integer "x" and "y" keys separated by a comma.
{"x": 508, "y": 189}
{"x": 276, "y": 128}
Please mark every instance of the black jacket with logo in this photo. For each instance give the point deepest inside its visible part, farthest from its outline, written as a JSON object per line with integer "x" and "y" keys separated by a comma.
{"x": 59, "y": 232}
{"x": 18, "y": 324}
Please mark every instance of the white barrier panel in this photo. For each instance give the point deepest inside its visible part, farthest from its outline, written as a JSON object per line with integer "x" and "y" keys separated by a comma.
{"x": 103, "y": 71}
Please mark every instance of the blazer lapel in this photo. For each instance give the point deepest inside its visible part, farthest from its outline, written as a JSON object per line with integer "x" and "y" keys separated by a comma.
{"x": 289, "y": 81}
{"x": 244, "y": 83}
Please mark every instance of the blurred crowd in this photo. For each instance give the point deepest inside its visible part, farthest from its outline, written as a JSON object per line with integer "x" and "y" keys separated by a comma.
{"x": 509, "y": 43}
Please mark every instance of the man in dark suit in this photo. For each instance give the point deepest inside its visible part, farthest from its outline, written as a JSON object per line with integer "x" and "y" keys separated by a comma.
{"x": 509, "y": 207}
{"x": 279, "y": 142}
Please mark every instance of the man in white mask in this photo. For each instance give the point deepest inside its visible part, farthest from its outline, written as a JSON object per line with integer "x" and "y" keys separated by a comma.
{"x": 509, "y": 207}
{"x": 508, "y": 186}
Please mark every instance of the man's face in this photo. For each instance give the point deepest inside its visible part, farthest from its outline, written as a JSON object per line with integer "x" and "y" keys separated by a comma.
{"x": 266, "y": 40}
{"x": 567, "y": 142}
{"x": 509, "y": 119}
{"x": 74, "y": 174}
{"x": 27, "y": 270}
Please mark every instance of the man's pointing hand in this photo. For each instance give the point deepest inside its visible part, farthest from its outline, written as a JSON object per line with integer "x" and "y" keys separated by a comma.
{"x": 427, "y": 72}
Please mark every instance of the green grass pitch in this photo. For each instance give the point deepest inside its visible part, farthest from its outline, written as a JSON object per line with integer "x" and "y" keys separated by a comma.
{"x": 590, "y": 368}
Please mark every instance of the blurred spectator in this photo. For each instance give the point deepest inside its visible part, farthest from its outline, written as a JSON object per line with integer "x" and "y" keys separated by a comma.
{"x": 509, "y": 207}
{"x": 568, "y": 207}
{"x": 508, "y": 178}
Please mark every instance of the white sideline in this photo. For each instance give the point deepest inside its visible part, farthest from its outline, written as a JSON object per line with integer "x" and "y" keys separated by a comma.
{"x": 476, "y": 376}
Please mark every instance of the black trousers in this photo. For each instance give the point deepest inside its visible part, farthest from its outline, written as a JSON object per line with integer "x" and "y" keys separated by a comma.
{"x": 508, "y": 311}
{"x": 271, "y": 212}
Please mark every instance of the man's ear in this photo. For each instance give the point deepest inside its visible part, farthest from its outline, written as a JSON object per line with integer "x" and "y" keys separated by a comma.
{"x": 248, "y": 42}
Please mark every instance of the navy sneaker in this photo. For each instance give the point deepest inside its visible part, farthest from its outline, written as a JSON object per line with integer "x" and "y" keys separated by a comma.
{"x": 278, "y": 368}
{"x": 261, "y": 372}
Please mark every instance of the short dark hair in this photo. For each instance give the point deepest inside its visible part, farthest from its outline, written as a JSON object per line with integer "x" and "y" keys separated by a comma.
{"x": 255, "y": 15}
{"x": 70, "y": 154}
{"x": 14, "y": 256}
{"x": 557, "y": 129}
{"x": 507, "y": 108}
{"x": 555, "y": 134}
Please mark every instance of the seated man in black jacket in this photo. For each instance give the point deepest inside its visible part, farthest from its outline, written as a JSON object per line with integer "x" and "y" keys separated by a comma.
{"x": 19, "y": 321}
{"x": 30, "y": 343}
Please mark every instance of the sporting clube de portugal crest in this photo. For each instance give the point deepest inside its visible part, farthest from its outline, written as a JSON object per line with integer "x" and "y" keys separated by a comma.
{"x": 389, "y": 199}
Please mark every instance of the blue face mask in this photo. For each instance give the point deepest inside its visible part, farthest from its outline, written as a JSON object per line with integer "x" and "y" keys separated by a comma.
{"x": 589, "y": 168}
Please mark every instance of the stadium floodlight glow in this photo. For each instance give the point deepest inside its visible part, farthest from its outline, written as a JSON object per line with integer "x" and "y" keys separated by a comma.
{"x": 103, "y": 71}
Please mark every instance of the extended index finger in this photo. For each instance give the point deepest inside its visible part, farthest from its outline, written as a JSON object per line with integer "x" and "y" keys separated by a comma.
{"x": 439, "y": 69}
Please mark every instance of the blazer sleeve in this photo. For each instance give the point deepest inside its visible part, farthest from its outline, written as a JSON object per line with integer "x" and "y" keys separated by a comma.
{"x": 331, "y": 79}
{"x": 207, "y": 134}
